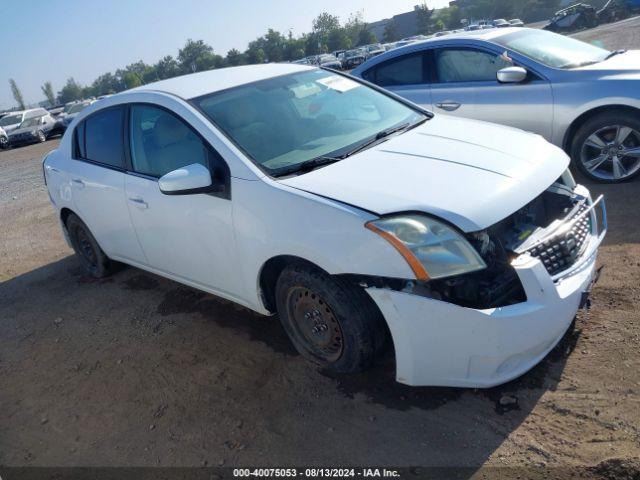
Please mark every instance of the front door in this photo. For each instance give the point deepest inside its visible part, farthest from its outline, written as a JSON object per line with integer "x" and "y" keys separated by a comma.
{"x": 467, "y": 86}
{"x": 186, "y": 236}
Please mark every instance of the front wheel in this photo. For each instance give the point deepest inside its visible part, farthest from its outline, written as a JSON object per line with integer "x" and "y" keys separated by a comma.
{"x": 607, "y": 147}
{"x": 93, "y": 259}
{"x": 329, "y": 321}
{"x": 4, "y": 142}
{"x": 41, "y": 136}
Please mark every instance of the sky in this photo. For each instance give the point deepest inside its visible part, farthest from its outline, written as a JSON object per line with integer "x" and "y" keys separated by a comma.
{"x": 52, "y": 40}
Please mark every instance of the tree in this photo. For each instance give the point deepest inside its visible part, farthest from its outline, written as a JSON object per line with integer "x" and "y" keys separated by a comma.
{"x": 423, "y": 19}
{"x": 17, "y": 94}
{"x": 439, "y": 25}
{"x": 47, "y": 90}
{"x": 197, "y": 56}
{"x": 235, "y": 58}
{"x": 390, "y": 31}
{"x": 167, "y": 67}
{"x": 365, "y": 37}
{"x": 338, "y": 40}
{"x": 71, "y": 91}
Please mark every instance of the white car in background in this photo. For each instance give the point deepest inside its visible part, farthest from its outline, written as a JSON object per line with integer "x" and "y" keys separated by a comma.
{"x": 354, "y": 215}
{"x": 4, "y": 139}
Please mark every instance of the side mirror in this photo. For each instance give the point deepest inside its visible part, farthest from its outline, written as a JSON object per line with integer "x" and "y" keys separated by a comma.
{"x": 194, "y": 178}
{"x": 512, "y": 75}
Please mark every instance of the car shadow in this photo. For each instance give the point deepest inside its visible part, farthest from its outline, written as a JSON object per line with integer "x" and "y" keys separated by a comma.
{"x": 159, "y": 308}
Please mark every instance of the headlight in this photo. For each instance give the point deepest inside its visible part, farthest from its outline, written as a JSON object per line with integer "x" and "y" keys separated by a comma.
{"x": 432, "y": 249}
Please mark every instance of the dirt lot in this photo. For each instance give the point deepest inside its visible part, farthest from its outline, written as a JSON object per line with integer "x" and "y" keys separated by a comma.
{"x": 140, "y": 371}
{"x": 614, "y": 36}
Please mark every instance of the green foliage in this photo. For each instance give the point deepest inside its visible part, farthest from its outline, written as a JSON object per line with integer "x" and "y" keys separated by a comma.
{"x": 390, "y": 32}
{"x": 70, "y": 92}
{"x": 17, "y": 94}
{"x": 47, "y": 90}
{"x": 423, "y": 20}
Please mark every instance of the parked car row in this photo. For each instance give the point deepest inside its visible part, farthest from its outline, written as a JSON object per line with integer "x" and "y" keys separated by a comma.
{"x": 37, "y": 124}
{"x": 580, "y": 97}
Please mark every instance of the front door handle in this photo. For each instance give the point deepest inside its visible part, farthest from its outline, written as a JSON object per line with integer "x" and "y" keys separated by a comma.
{"x": 139, "y": 202}
{"x": 77, "y": 182}
{"x": 448, "y": 106}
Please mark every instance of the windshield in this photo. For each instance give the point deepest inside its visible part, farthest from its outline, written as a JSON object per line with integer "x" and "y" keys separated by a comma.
{"x": 10, "y": 120}
{"x": 553, "y": 50}
{"x": 30, "y": 122}
{"x": 284, "y": 121}
{"x": 77, "y": 108}
{"x": 328, "y": 58}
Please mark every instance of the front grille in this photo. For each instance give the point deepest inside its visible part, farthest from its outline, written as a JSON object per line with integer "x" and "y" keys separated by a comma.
{"x": 561, "y": 251}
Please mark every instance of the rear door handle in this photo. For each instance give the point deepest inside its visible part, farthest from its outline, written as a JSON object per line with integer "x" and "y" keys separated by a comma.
{"x": 139, "y": 202}
{"x": 448, "y": 106}
{"x": 79, "y": 183}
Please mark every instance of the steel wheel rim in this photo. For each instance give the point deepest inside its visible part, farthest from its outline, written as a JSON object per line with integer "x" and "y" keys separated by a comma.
{"x": 612, "y": 152}
{"x": 315, "y": 324}
{"x": 85, "y": 247}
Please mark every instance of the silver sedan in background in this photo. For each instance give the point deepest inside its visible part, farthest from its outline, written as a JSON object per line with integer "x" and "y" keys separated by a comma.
{"x": 580, "y": 97}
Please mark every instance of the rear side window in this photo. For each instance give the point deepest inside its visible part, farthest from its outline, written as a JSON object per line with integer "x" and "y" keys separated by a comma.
{"x": 103, "y": 137}
{"x": 406, "y": 70}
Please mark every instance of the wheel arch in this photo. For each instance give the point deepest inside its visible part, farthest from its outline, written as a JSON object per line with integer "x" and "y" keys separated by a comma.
{"x": 270, "y": 272}
{"x": 584, "y": 117}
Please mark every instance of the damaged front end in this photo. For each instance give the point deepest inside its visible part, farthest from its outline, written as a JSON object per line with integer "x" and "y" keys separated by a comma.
{"x": 555, "y": 228}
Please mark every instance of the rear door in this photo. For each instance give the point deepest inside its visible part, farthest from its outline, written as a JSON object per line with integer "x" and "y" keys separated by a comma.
{"x": 466, "y": 85}
{"x": 97, "y": 183}
{"x": 407, "y": 76}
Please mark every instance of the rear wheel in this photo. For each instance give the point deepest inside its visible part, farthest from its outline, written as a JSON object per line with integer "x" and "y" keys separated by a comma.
{"x": 93, "y": 259}
{"x": 607, "y": 147}
{"x": 329, "y": 321}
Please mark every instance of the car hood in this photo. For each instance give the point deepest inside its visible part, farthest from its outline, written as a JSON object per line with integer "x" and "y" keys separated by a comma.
{"x": 470, "y": 173}
{"x": 10, "y": 128}
{"x": 627, "y": 61}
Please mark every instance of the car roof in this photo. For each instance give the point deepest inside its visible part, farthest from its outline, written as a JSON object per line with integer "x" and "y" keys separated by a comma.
{"x": 210, "y": 81}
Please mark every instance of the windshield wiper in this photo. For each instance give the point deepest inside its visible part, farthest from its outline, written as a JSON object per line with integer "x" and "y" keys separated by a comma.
{"x": 307, "y": 165}
{"x": 614, "y": 53}
{"x": 375, "y": 139}
{"x": 321, "y": 161}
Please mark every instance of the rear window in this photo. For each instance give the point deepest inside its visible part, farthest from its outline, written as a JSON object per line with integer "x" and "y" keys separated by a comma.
{"x": 103, "y": 138}
{"x": 405, "y": 70}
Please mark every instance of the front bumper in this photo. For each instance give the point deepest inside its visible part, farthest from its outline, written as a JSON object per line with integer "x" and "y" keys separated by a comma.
{"x": 441, "y": 344}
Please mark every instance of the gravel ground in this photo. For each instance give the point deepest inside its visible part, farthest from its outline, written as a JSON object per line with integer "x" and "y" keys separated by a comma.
{"x": 614, "y": 36}
{"x": 136, "y": 370}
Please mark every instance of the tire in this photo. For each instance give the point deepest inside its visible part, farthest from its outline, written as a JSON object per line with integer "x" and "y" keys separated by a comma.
{"x": 329, "y": 321}
{"x": 91, "y": 256}
{"x": 42, "y": 137}
{"x": 4, "y": 142}
{"x": 602, "y": 142}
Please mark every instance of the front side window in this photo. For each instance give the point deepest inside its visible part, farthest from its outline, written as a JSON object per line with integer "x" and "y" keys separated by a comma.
{"x": 284, "y": 121}
{"x": 468, "y": 65}
{"x": 103, "y": 137}
{"x": 406, "y": 70}
{"x": 161, "y": 142}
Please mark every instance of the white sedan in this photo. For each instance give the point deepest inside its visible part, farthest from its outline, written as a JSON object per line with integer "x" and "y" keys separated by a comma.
{"x": 359, "y": 218}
